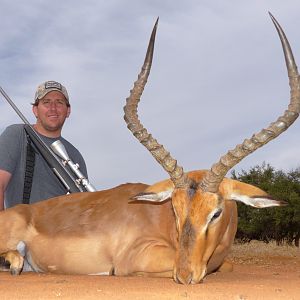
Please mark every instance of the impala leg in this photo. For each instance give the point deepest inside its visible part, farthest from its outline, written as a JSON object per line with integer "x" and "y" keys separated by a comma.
{"x": 225, "y": 267}
{"x": 167, "y": 274}
{"x": 13, "y": 225}
{"x": 4, "y": 265}
{"x": 150, "y": 261}
{"x": 13, "y": 261}
{"x": 158, "y": 261}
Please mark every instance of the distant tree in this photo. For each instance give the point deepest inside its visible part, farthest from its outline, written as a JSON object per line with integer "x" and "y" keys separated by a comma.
{"x": 274, "y": 223}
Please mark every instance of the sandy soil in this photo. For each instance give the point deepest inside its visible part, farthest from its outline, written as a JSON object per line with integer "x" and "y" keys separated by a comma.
{"x": 260, "y": 272}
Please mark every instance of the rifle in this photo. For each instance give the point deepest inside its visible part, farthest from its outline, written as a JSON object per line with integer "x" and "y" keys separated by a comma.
{"x": 72, "y": 184}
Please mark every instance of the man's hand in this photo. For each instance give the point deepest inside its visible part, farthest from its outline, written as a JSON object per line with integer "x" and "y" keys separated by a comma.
{"x": 4, "y": 180}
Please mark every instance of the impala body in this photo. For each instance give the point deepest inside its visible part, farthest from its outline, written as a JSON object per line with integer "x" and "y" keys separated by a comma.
{"x": 121, "y": 236}
{"x": 182, "y": 227}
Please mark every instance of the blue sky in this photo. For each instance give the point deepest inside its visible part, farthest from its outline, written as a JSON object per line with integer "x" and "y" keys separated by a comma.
{"x": 218, "y": 76}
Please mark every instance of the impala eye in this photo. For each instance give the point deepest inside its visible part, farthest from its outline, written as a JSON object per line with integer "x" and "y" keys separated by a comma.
{"x": 216, "y": 215}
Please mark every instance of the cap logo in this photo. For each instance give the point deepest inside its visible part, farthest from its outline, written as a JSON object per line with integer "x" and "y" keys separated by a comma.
{"x": 46, "y": 87}
{"x": 53, "y": 84}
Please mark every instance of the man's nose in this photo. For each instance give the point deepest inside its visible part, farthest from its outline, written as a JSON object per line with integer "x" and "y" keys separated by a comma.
{"x": 52, "y": 106}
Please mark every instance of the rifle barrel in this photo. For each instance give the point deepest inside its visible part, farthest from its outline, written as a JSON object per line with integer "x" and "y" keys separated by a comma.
{"x": 13, "y": 106}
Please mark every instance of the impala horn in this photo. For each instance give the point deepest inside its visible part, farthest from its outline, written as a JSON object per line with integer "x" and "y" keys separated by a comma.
{"x": 158, "y": 151}
{"x": 213, "y": 178}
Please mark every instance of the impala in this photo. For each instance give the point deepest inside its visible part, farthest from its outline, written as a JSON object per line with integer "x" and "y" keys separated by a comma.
{"x": 182, "y": 227}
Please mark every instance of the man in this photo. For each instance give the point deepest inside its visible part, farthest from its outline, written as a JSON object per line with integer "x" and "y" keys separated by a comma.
{"x": 51, "y": 107}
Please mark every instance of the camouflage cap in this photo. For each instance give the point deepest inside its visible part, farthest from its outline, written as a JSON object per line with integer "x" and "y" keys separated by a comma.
{"x": 48, "y": 86}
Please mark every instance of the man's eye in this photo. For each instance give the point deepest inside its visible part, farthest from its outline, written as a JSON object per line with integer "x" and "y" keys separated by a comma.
{"x": 61, "y": 102}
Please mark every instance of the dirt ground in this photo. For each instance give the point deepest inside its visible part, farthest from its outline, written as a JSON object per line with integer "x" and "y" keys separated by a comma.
{"x": 260, "y": 272}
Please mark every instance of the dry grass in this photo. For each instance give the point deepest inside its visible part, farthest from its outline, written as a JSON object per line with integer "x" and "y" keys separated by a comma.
{"x": 261, "y": 253}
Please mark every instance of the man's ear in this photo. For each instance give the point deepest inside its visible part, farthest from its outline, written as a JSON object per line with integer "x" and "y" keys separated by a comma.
{"x": 247, "y": 194}
{"x": 68, "y": 111}
{"x": 34, "y": 110}
{"x": 157, "y": 192}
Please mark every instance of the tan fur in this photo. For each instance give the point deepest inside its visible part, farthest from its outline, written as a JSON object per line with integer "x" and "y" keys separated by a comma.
{"x": 103, "y": 232}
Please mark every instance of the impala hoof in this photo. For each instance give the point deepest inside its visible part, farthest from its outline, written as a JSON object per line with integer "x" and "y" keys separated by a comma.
{"x": 226, "y": 267}
{"x": 15, "y": 271}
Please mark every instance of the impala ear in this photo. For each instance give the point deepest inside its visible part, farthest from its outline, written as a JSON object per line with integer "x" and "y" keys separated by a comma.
{"x": 257, "y": 201}
{"x": 247, "y": 194}
{"x": 157, "y": 192}
{"x": 153, "y": 197}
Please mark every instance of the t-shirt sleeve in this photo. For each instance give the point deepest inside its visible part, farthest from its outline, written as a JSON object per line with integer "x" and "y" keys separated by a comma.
{"x": 10, "y": 148}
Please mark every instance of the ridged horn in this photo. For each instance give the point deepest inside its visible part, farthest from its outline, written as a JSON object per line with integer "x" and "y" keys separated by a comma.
{"x": 218, "y": 171}
{"x": 163, "y": 157}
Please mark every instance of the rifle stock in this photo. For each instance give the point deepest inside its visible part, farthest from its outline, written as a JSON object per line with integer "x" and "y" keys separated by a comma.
{"x": 57, "y": 167}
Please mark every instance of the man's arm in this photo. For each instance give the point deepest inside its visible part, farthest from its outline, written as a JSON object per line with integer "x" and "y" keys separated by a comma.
{"x": 4, "y": 180}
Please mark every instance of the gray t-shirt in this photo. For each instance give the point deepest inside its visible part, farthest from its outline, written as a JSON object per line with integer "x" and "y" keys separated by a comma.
{"x": 45, "y": 184}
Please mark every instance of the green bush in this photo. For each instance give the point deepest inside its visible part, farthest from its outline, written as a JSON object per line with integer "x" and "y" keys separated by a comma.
{"x": 281, "y": 224}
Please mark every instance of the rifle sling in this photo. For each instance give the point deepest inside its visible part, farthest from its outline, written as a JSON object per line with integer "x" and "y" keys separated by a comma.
{"x": 29, "y": 168}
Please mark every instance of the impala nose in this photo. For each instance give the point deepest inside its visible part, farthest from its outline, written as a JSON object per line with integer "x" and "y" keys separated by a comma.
{"x": 190, "y": 276}
{"x": 187, "y": 279}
